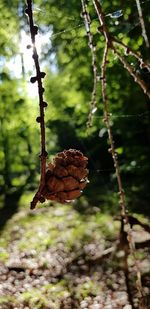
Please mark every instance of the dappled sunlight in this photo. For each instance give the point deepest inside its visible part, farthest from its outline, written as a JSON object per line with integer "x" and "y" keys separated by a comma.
{"x": 74, "y": 107}
{"x": 58, "y": 256}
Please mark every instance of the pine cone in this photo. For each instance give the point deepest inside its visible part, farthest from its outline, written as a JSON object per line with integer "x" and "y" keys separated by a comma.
{"x": 66, "y": 177}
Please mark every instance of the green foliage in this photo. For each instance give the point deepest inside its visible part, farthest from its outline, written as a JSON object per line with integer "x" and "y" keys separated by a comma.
{"x": 71, "y": 236}
{"x": 16, "y": 124}
{"x": 69, "y": 92}
{"x": 9, "y": 28}
{"x": 69, "y": 84}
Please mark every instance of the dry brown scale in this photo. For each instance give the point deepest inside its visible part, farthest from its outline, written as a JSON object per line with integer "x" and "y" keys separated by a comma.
{"x": 66, "y": 177}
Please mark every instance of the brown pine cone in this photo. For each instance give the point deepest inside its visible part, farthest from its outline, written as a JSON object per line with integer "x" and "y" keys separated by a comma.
{"x": 66, "y": 177}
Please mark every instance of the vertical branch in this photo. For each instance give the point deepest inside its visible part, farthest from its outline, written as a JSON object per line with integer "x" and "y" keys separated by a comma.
{"x": 87, "y": 22}
{"x": 110, "y": 134}
{"x": 124, "y": 218}
{"x": 103, "y": 27}
{"x": 141, "y": 19}
{"x": 42, "y": 104}
{"x": 125, "y": 246}
{"x": 126, "y": 225}
{"x": 106, "y": 105}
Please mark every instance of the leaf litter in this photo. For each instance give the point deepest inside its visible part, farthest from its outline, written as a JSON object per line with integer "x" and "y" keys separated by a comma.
{"x": 55, "y": 258}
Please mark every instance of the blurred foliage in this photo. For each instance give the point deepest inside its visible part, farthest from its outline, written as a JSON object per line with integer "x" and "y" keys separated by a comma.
{"x": 69, "y": 83}
{"x": 10, "y": 22}
{"x": 69, "y": 101}
{"x": 18, "y": 134}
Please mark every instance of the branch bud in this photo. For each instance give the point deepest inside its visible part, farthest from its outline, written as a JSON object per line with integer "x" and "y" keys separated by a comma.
{"x": 38, "y": 119}
{"x": 43, "y": 154}
{"x": 105, "y": 120}
{"x": 127, "y": 51}
{"x": 29, "y": 46}
{"x": 42, "y": 74}
{"x": 33, "y": 79}
{"x": 35, "y": 29}
{"x": 84, "y": 13}
{"x": 110, "y": 150}
{"x": 100, "y": 29}
{"x": 44, "y": 104}
{"x": 142, "y": 65}
{"x": 42, "y": 199}
{"x": 35, "y": 56}
{"x": 26, "y": 11}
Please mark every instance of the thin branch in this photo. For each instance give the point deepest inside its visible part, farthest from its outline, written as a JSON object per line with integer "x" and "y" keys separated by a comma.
{"x": 103, "y": 27}
{"x": 124, "y": 245}
{"x": 129, "y": 68}
{"x": 141, "y": 19}
{"x": 42, "y": 104}
{"x": 135, "y": 221}
{"x": 110, "y": 134}
{"x": 124, "y": 218}
{"x": 126, "y": 225}
{"x": 108, "y": 45}
{"x": 108, "y": 37}
{"x": 87, "y": 22}
{"x": 143, "y": 244}
{"x": 130, "y": 51}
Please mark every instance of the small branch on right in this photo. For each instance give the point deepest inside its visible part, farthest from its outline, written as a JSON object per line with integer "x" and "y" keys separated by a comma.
{"x": 132, "y": 72}
{"x": 129, "y": 51}
{"x": 141, "y": 19}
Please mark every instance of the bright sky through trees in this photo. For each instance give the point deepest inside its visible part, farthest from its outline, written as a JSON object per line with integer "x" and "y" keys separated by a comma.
{"x": 24, "y": 58}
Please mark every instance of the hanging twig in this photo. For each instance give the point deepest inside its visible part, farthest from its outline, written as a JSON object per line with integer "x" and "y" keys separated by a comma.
{"x": 126, "y": 225}
{"x": 105, "y": 102}
{"x": 116, "y": 165}
{"x": 110, "y": 135}
{"x": 141, "y": 19}
{"x": 124, "y": 217}
{"x": 42, "y": 104}
{"x": 87, "y": 22}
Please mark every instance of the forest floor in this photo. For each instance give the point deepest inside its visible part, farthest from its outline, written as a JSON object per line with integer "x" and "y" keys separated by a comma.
{"x": 55, "y": 257}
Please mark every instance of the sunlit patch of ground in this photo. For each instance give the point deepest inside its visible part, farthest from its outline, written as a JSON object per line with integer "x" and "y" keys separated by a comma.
{"x": 56, "y": 258}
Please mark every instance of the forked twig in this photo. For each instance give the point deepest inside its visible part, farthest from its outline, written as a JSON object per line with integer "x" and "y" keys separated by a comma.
{"x": 42, "y": 104}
